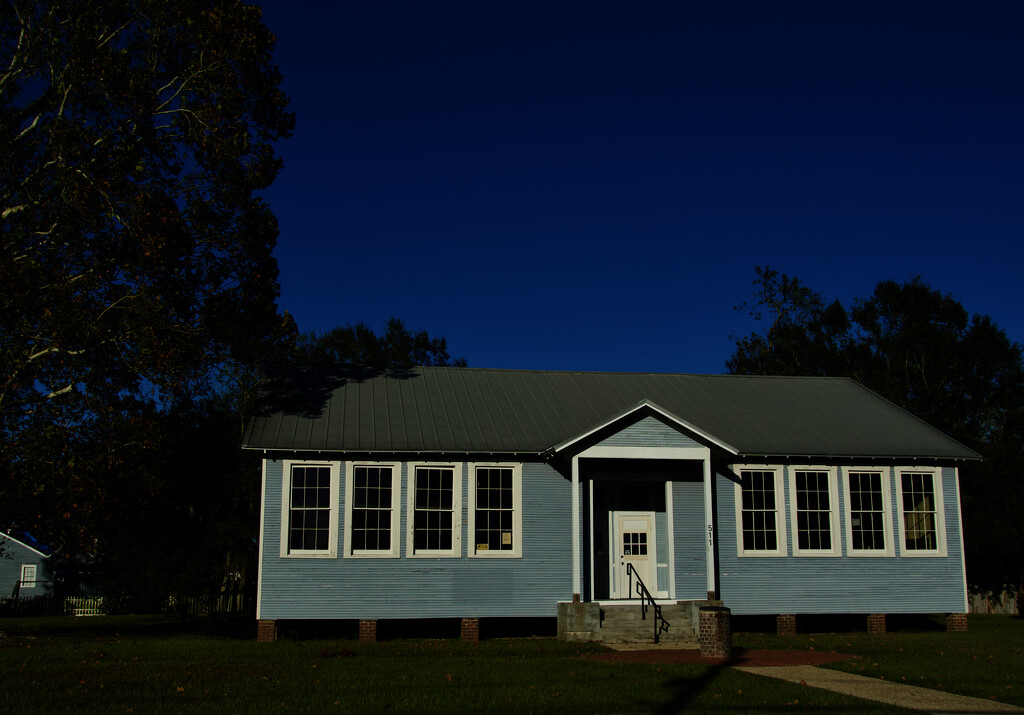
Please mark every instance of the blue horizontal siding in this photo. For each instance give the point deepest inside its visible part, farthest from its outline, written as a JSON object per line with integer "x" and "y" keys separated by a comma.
{"x": 691, "y": 560}
{"x": 533, "y": 584}
{"x": 13, "y": 555}
{"x": 814, "y": 584}
{"x": 425, "y": 588}
{"x": 661, "y": 549}
{"x": 649, "y": 432}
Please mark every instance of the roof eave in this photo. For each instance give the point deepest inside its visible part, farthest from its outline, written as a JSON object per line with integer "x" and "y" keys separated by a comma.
{"x": 27, "y": 546}
{"x": 852, "y": 458}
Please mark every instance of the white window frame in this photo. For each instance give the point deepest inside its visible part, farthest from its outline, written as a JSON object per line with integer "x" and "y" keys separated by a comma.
{"x": 940, "y": 518}
{"x": 833, "y": 496}
{"x": 29, "y": 575}
{"x": 331, "y": 552}
{"x": 886, "y": 486}
{"x": 516, "y": 551}
{"x": 781, "y": 547}
{"x": 410, "y": 512}
{"x": 396, "y": 499}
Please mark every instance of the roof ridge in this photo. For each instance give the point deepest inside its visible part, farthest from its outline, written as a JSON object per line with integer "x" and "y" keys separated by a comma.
{"x": 541, "y": 371}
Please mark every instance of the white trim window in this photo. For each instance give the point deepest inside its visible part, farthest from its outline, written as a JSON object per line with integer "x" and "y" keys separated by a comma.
{"x": 760, "y": 519}
{"x": 372, "y": 495}
{"x": 922, "y": 526}
{"x": 28, "y": 576}
{"x": 868, "y": 512}
{"x": 495, "y": 510}
{"x": 309, "y": 509}
{"x": 434, "y": 518}
{"x": 813, "y": 511}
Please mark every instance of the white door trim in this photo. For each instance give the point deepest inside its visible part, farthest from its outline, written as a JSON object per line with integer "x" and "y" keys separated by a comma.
{"x": 615, "y": 534}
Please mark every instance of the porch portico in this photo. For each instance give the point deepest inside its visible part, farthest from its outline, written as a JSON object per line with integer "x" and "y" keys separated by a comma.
{"x": 642, "y": 493}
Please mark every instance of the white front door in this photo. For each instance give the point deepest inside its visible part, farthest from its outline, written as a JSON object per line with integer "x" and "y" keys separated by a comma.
{"x": 633, "y": 543}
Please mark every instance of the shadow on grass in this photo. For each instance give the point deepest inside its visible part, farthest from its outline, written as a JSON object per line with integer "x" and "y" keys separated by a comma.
{"x": 687, "y": 689}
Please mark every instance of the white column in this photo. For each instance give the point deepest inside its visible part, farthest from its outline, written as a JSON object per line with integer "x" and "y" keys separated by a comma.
{"x": 590, "y": 555}
{"x": 576, "y": 576}
{"x": 709, "y": 525}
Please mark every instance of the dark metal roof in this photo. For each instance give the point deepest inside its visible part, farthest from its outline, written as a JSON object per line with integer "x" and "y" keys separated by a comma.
{"x": 471, "y": 410}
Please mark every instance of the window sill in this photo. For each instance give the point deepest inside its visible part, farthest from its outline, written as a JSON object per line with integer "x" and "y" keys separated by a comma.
{"x": 924, "y": 554}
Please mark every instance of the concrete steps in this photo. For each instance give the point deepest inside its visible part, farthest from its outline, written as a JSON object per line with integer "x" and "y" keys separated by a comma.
{"x": 624, "y": 624}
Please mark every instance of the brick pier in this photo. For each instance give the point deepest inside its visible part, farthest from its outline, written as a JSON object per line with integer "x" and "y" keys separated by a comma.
{"x": 956, "y": 621}
{"x": 368, "y": 630}
{"x": 471, "y": 629}
{"x": 715, "y": 629}
{"x": 266, "y": 631}
{"x": 876, "y": 623}
{"x": 785, "y": 624}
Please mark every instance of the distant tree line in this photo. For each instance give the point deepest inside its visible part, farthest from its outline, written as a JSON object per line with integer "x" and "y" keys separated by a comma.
{"x": 922, "y": 350}
{"x": 357, "y": 343}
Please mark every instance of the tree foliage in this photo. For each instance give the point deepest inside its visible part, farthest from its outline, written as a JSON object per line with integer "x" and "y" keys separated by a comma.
{"x": 136, "y": 134}
{"x": 921, "y": 349}
{"x": 802, "y": 335}
{"x": 136, "y": 254}
{"x": 357, "y": 343}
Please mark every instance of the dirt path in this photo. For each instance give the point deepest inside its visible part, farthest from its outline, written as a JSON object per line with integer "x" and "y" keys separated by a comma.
{"x": 882, "y": 691}
{"x": 797, "y": 666}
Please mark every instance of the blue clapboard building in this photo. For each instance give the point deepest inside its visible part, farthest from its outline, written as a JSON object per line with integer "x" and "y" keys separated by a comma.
{"x": 473, "y": 494}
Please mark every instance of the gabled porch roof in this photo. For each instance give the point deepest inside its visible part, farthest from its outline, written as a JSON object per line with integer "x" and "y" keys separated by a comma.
{"x": 645, "y": 407}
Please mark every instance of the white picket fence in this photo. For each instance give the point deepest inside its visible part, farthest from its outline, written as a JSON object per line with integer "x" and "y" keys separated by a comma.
{"x": 83, "y": 605}
{"x": 232, "y": 602}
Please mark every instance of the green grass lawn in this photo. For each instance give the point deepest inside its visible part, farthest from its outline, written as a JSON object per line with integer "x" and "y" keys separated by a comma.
{"x": 985, "y": 662}
{"x": 158, "y": 664}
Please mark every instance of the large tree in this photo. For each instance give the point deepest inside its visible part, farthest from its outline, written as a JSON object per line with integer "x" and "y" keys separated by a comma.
{"x": 921, "y": 349}
{"x": 134, "y": 248}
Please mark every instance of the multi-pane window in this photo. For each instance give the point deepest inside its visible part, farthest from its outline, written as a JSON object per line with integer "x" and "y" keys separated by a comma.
{"x": 867, "y": 512}
{"x": 759, "y": 510}
{"x": 28, "y": 575}
{"x": 309, "y": 509}
{"x": 433, "y": 497}
{"x": 495, "y": 509}
{"x": 813, "y": 494}
{"x": 920, "y": 532}
{"x": 372, "y": 502}
{"x": 634, "y": 544}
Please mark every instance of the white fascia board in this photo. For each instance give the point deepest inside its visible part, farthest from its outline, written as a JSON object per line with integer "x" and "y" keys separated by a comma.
{"x": 599, "y": 452}
{"x": 647, "y": 404}
{"x": 19, "y": 542}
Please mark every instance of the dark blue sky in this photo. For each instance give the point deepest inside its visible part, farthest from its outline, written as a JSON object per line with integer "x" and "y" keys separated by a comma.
{"x": 589, "y": 185}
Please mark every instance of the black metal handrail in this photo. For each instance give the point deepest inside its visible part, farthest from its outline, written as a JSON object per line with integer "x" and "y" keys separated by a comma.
{"x": 660, "y": 624}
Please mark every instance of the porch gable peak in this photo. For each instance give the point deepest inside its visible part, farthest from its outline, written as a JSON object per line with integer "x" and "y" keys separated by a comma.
{"x": 632, "y": 416}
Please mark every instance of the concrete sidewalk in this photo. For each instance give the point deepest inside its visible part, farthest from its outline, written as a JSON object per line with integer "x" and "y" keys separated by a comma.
{"x": 883, "y": 691}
